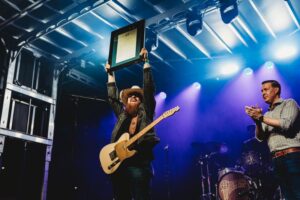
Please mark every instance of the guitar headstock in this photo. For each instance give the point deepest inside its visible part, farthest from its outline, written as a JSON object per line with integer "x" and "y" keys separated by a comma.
{"x": 170, "y": 112}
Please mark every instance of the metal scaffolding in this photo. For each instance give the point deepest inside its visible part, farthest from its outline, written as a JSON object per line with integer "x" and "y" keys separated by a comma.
{"x": 19, "y": 94}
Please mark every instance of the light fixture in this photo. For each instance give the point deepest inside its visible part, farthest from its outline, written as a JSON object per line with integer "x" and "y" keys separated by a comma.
{"x": 228, "y": 10}
{"x": 194, "y": 22}
{"x": 248, "y": 71}
{"x": 269, "y": 65}
{"x": 286, "y": 52}
{"x": 197, "y": 85}
{"x": 162, "y": 95}
{"x": 229, "y": 68}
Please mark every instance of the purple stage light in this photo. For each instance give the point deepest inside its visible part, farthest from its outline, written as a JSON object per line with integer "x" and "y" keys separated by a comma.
{"x": 160, "y": 101}
{"x": 223, "y": 148}
{"x": 269, "y": 65}
{"x": 197, "y": 85}
{"x": 162, "y": 95}
{"x": 248, "y": 71}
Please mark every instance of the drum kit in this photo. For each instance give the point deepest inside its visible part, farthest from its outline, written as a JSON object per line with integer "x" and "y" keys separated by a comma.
{"x": 250, "y": 179}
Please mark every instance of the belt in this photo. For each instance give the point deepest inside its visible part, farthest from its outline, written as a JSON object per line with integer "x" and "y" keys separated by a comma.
{"x": 285, "y": 151}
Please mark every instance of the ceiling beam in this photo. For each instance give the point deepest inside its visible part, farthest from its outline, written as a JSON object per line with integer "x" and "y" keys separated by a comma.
{"x": 241, "y": 22}
{"x": 183, "y": 7}
{"x": 17, "y": 16}
{"x": 67, "y": 17}
{"x": 237, "y": 34}
{"x": 195, "y": 42}
{"x": 217, "y": 37}
{"x": 36, "y": 50}
{"x": 123, "y": 12}
{"x": 292, "y": 13}
{"x": 264, "y": 21}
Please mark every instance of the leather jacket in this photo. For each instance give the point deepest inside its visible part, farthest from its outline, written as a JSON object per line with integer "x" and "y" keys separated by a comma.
{"x": 146, "y": 110}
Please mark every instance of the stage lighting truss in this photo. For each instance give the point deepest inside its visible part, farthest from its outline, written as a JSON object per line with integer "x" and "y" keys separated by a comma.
{"x": 192, "y": 14}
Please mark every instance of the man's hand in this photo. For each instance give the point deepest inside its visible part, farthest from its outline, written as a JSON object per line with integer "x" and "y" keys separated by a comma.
{"x": 254, "y": 112}
{"x": 144, "y": 54}
{"x": 107, "y": 67}
{"x": 111, "y": 77}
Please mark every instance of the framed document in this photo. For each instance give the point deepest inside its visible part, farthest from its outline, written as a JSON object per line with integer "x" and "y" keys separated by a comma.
{"x": 126, "y": 44}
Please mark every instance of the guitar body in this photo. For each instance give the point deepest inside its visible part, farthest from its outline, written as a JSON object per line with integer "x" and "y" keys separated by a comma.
{"x": 112, "y": 155}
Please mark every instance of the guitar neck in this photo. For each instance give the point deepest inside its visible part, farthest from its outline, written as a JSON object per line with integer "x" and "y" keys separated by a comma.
{"x": 143, "y": 132}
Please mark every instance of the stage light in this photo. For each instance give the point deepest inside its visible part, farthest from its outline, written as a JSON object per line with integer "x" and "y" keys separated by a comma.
{"x": 151, "y": 41}
{"x": 223, "y": 149}
{"x": 228, "y": 10}
{"x": 285, "y": 52}
{"x": 194, "y": 22}
{"x": 197, "y": 85}
{"x": 248, "y": 71}
{"x": 162, "y": 95}
{"x": 281, "y": 17}
{"x": 229, "y": 68}
{"x": 269, "y": 65}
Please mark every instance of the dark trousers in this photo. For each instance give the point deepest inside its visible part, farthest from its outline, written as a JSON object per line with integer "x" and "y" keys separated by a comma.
{"x": 287, "y": 171}
{"x": 132, "y": 182}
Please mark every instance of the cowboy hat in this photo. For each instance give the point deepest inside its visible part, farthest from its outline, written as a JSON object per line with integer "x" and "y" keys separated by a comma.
{"x": 134, "y": 89}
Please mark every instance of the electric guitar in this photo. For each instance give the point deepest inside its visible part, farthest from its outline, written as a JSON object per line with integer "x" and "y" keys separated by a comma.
{"x": 112, "y": 155}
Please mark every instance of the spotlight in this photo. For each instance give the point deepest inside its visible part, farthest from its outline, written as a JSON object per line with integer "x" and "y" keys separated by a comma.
{"x": 223, "y": 149}
{"x": 194, "y": 22}
{"x": 248, "y": 71}
{"x": 269, "y": 65}
{"x": 197, "y": 85}
{"x": 285, "y": 52}
{"x": 151, "y": 42}
{"x": 228, "y": 10}
{"x": 162, "y": 95}
{"x": 229, "y": 68}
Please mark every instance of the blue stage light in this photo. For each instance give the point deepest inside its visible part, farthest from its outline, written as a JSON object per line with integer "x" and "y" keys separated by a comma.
{"x": 162, "y": 95}
{"x": 248, "y": 71}
{"x": 197, "y": 85}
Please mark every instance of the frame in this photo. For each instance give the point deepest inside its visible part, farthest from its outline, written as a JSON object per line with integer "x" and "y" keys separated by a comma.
{"x": 126, "y": 44}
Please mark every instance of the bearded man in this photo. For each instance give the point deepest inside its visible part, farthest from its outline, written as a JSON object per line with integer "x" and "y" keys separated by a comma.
{"x": 136, "y": 111}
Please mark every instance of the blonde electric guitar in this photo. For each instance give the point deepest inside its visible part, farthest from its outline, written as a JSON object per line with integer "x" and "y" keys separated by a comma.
{"x": 112, "y": 155}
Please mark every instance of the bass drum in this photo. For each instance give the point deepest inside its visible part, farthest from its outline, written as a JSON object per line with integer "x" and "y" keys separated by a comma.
{"x": 234, "y": 185}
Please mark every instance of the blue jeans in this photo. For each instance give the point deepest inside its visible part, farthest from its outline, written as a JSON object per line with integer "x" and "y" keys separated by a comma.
{"x": 287, "y": 172}
{"x": 132, "y": 182}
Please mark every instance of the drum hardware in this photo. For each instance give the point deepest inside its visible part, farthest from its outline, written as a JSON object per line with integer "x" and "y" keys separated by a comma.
{"x": 278, "y": 195}
{"x": 211, "y": 158}
{"x": 205, "y": 178}
{"x": 216, "y": 194}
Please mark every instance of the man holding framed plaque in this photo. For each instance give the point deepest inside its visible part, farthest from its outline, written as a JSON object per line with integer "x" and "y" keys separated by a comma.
{"x": 134, "y": 109}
